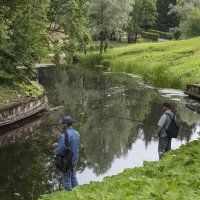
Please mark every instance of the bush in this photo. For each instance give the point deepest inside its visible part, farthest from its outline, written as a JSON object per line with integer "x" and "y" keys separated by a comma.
{"x": 92, "y": 59}
{"x": 77, "y": 57}
{"x": 6, "y": 78}
{"x": 176, "y": 32}
{"x": 161, "y": 34}
{"x": 32, "y": 89}
{"x": 191, "y": 26}
{"x": 106, "y": 63}
{"x": 152, "y": 36}
{"x": 92, "y": 47}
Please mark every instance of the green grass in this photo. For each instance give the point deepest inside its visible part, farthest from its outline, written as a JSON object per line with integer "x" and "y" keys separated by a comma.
{"x": 175, "y": 176}
{"x": 116, "y": 44}
{"x": 7, "y": 93}
{"x": 170, "y": 64}
{"x": 18, "y": 92}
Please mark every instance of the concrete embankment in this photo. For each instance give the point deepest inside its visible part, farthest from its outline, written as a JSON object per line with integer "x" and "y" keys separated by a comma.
{"x": 15, "y": 111}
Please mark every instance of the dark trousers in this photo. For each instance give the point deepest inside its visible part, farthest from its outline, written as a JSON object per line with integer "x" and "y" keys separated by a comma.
{"x": 164, "y": 145}
{"x": 69, "y": 178}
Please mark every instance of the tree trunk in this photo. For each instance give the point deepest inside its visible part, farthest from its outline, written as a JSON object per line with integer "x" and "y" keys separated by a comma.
{"x": 106, "y": 45}
{"x": 130, "y": 38}
{"x": 85, "y": 50}
{"x": 135, "y": 38}
{"x": 101, "y": 46}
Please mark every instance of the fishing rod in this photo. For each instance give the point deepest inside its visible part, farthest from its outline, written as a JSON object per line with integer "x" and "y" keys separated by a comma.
{"x": 57, "y": 124}
{"x": 151, "y": 123}
{"x": 134, "y": 120}
{"x": 32, "y": 142}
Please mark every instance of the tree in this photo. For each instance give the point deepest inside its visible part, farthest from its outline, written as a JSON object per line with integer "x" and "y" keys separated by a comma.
{"x": 67, "y": 29}
{"x": 187, "y": 10}
{"x": 23, "y": 34}
{"x": 28, "y": 28}
{"x": 106, "y": 16}
{"x": 184, "y": 7}
{"x": 191, "y": 26}
{"x": 143, "y": 15}
{"x": 164, "y": 20}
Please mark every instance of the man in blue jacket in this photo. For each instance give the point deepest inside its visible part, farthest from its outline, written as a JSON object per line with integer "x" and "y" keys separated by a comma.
{"x": 69, "y": 178}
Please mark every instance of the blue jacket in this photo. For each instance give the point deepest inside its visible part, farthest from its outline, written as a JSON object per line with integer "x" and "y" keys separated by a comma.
{"x": 74, "y": 140}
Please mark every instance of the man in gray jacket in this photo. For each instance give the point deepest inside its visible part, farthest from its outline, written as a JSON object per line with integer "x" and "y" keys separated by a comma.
{"x": 164, "y": 141}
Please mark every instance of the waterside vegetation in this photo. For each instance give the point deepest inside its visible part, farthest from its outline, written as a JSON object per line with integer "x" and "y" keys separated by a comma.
{"x": 17, "y": 92}
{"x": 170, "y": 64}
{"x": 176, "y": 176}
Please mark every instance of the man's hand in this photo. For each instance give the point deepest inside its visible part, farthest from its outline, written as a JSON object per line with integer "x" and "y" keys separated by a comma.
{"x": 54, "y": 145}
{"x": 157, "y": 132}
{"x": 156, "y": 135}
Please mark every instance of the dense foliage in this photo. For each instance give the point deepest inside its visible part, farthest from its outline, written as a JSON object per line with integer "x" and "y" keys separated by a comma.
{"x": 32, "y": 29}
{"x": 165, "y": 21}
{"x": 66, "y": 28}
{"x": 23, "y": 41}
{"x": 188, "y": 12}
{"x": 150, "y": 35}
{"x": 107, "y": 16}
{"x": 176, "y": 176}
{"x": 27, "y": 29}
{"x": 161, "y": 34}
{"x": 142, "y": 16}
{"x": 191, "y": 26}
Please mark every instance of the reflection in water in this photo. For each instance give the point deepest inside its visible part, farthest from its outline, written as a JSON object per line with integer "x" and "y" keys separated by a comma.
{"x": 21, "y": 130}
{"x": 108, "y": 145}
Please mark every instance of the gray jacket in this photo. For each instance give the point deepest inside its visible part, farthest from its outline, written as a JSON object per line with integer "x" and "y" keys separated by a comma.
{"x": 164, "y": 122}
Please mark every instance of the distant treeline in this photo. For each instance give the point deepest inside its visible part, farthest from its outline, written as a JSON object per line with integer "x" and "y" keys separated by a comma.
{"x": 31, "y": 30}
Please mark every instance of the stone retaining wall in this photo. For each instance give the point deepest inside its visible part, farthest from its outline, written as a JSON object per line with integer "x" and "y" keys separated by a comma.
{"x": 20, "y": 110}
{"x": 193, "y": 90}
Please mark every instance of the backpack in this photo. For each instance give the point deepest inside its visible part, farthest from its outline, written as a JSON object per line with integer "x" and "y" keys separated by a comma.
{"x": 173, "y": 129}
{"x": 63, "y": 162}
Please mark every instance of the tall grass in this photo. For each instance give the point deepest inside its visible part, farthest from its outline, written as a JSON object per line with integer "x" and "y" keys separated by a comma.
{"x": 92, "y": 59}
{"x": 171, "y": 64}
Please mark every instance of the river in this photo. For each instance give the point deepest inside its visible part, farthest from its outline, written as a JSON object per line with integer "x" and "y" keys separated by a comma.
{"x": 96, "y": 100}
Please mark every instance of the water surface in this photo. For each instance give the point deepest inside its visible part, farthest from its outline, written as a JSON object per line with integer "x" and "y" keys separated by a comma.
{"x": 108, "y": 145}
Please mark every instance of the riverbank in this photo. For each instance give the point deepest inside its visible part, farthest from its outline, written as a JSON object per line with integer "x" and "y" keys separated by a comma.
{"x": 170, "y": 64}
{"x": 170, "y": 178}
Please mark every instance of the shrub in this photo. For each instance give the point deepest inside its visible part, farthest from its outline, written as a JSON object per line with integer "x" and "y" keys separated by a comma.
{"x": 77, "y": 57}
{"x": 176, "y": 32}
{"x": 92, "y": 47}
{"x": 92, "y": 59}
{"x": 106, "y": 63}
{"x": 151, "y": 36}
{"x": 5, "y": 78}
{"x": 161, "y": 34}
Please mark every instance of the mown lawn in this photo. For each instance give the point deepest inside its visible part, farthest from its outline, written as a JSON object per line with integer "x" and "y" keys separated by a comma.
{"x": 170, "y": 64}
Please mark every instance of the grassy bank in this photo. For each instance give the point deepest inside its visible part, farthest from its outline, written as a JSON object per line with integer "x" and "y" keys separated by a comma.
{"x": 7, "y": 93}
{"x": 176, "y": 176}
{"x": 18, "y": 92}
{"x": 169, "y": 64}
